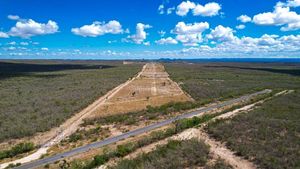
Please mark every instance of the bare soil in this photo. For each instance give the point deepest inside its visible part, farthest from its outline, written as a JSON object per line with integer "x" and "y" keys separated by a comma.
{"x": 152, "y": 86}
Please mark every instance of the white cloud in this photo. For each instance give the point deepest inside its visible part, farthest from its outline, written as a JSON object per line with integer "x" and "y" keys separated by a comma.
{"x": 29, "y": 28}
{"x": 170, "y": 10}
{"x": 44, "y": 49}
{"x": 13, "y": 17}
{"x": 140, "y": 34}
{"x": 190, "y": 34}
{"x": 98, "y": 29}
{"x": 244, "y": 18}
{"x": 146, "y": 43}
{"x": 161, "y": 33}
{"x": 12, "y": 43}
{"x": 183, "y": 28}
{"x": 3, "y": 35}
{"x": 184, "y": 7}
{"x": 240, "y": 27}
{"x": 24, "y": 43}
{"x": 281, "y": 16}
{"x": 221, "y": 34}
{"x": 264, "y": 46}
{"x": 293, "y": 3}
{"x": 161, "y": 9}
{"x": 209, "y": 9}
{"x": 164, "y": 41}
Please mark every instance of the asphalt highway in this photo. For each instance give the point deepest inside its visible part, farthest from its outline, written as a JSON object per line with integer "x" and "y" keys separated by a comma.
{"x": 115, "y": 139}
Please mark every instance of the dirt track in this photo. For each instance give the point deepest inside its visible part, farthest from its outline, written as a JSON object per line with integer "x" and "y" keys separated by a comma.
{"x": 152, "y": 86}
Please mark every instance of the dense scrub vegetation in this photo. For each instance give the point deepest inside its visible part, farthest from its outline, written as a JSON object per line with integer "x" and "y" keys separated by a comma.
{"x": 176, "y": 154}
{"x": 16, "y": 150}
{"x": 39, "y": 95}
{"x": 224, "y": 80}
{"x": 124, "y": 149}
{"x": 268, "y": 135}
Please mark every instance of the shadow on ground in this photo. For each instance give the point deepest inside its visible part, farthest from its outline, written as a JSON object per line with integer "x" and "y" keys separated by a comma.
{"x": 293, "y": 72}
{"x": 11, "y": 69}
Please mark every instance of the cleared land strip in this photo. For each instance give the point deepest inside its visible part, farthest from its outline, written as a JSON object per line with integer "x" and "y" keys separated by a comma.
{"x": 135, "y": 94}
{"x": 71, "y": 125}
{"x": 137, "y": 131}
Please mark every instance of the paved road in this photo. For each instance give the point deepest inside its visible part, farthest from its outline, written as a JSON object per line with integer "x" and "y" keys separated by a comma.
{"x": 111, "y": 140}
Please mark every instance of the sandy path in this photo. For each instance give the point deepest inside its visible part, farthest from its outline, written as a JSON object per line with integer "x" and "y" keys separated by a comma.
{"x": 71, "y": 125}
{"x": 217, "y": 149}
{"x": 152, "y": 86}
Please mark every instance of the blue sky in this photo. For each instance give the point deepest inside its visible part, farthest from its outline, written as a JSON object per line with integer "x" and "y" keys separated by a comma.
{"x": 118, "y": 29}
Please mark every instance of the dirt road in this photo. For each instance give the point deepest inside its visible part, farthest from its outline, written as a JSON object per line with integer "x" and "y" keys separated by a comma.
{"x": 152, "y": 86}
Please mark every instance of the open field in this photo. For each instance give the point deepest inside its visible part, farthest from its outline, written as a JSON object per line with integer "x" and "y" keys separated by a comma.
{"x": 150, "y": 87}
{"x": 212, "y": 81}
{"x": 137, "y": 99}
{"x": 39, "y": 95}
{"x": 268, "y": 135}
{"x": 83, "y": 160}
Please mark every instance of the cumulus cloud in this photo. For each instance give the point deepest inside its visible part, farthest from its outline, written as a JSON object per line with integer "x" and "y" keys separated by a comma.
{"x": 184, "y": 7}
{"x": 12, "y": 43}
{"x": 221, "y": 34}
{"x": 161, "y": 33}
{"x": 281, "y": 16}
{"x": 264, "y": 46}
{"x": 293, "y": 3}
{"x": 170, "y": 10}
{"x": 44, "y": 49}
{"x": 164, "y": 41}
{"x": 98, "y": 29}
{"x": 161, "y": 9}
{"x": 209, "y": 9}
{"x": 3, "y": 35}
{"x": 24, "y": 43}
{"x": 240, "y": 27}
{"x": 140, "y": 34}
{"x": 244, "y": 18}
{"x": 29, "y": 28}
{"x": 13, "y": 17}
{"x": 183, "y": 28}
{"x": 190, "y": 34}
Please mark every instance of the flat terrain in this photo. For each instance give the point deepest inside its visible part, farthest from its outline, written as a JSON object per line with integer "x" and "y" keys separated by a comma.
{"x": 268, "y": 135}
{"x": 39, "y": 95}
{"x": 152, "y": 87}
{"x": 212, "y": 81}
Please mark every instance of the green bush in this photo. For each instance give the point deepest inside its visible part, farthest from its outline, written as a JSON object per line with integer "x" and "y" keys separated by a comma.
{"x": 75, "y": 137}
{"x": 175, "y": 154}
{"x": 16, "y": 150}
{"x": 267, "y": 135}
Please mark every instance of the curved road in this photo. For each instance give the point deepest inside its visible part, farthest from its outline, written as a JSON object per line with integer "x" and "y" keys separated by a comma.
{"x": 115, "y": 139}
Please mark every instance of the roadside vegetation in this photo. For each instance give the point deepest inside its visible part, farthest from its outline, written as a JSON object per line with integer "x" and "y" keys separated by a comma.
{"x": 124, "y": 149}
{"x": 150, "y": 113}
{"x": 155, "y": 113}
{"x": 215, "y": 81}
{"x": 175, "y": 154}
{"x": 39, "y": 95}
{"x": 268, "y": 135}
{"x": 177, "y": 127}
{"x": 17, "y": 150}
